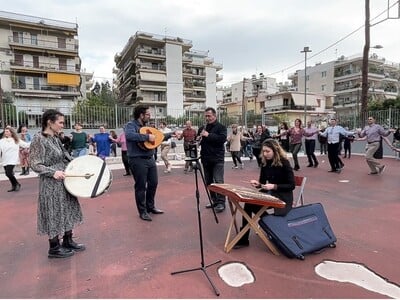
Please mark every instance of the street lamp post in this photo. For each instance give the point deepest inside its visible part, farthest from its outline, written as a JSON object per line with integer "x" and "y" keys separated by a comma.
{"x": 305, "y": 51}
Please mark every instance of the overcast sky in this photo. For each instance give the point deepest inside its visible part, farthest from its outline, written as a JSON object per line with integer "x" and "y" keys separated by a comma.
{"x": 247, "y": 37}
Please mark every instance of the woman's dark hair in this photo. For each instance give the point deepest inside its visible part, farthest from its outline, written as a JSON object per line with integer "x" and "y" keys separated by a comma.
{"x": 300, "y": 123}
{"x": 20, "y": 128}
{"x": 140, "y": 109}
{"x": 50, "y": 115}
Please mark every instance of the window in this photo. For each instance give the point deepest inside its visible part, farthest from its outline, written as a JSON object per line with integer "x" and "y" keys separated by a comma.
{"x": 18, "y": 59}
{"x": 323, "y": 87}
{"x": 62, "y": 44}
{"x": 285, "y": 102}
{"x": 21, "y": 82}
{"x": 18, "y": 37}
{"x": 36, "y": 61}
{"x": 323, "y": 74}
{"x": 62, "y": 63}
{"x": 308, "y": 77}
{"x": 34, "y": 40}
{"x": 36, "y": 83}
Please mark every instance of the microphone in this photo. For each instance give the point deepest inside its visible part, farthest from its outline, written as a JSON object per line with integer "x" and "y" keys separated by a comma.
{"x": 200, "y": 137}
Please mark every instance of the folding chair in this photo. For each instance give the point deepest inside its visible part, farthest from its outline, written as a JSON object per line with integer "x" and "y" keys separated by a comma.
{"x": 300, "y": 181}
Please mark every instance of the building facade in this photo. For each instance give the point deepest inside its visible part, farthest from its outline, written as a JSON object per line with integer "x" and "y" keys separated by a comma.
{"x": 383, "y": 81}
{"x": 248, "y": 95}
{"x": 288, "y": 106}
{"x": 343, "y": 79}
{"x": 166, "y": 74}
{"x": 40, "y": 63}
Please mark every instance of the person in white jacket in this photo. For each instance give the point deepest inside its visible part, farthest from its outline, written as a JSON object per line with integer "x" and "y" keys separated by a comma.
{"x": 9, "y": 152}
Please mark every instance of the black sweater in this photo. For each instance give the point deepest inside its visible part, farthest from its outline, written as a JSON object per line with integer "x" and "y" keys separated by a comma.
{"x": 283, "y": 177}
{"x": 212, "y": 146}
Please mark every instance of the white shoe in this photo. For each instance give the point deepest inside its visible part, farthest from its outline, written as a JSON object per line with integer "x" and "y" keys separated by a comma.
{"x": 381, "y": 169}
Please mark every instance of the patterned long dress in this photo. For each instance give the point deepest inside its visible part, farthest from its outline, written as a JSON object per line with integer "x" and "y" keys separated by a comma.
{"x": 58, "y": 211}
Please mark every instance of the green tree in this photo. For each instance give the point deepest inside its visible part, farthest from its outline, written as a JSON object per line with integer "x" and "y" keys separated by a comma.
{"x": 383, "y": 105}
{"x": 101, "y": 95}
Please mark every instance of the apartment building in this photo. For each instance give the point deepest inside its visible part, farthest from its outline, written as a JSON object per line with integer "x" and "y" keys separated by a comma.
{"x": 383, "y": 81}
{"x": 289, "y": 105}
{"x": 40, "y": 64}
{"x": 248, "y": 95}
{"x": 343, "y": 79}
{"x": 166, "y": 74}
{"x": 86, "y": 84}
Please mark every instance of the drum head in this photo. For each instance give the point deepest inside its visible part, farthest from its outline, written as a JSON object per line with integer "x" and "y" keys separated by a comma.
{"x": 82, "y": 174}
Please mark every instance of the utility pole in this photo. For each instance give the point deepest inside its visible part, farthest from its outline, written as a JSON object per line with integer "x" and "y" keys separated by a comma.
{"x": 305, "y": 51}
{"x": 244, "y": 115}
{"x": 1, "y": 105}
{"x": 364, "y": 71}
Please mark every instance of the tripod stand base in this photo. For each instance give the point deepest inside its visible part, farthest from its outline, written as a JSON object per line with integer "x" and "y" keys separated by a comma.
{"x": 203, "y": 268}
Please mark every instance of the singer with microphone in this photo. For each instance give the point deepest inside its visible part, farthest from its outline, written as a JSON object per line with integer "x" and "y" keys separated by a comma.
{"x": 212, "y": 137}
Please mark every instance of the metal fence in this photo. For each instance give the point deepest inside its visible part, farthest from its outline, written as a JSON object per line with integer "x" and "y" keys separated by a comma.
{"x": 115, "y": 117}
{"x": 389, "y": 118}
{"x": 92, "y": 117}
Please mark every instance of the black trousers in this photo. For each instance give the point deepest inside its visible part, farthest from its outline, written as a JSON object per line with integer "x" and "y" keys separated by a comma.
{"x": 124, "y": 155}
{"x": 333, "y": 156}
{"x": 9, "y": 172}
{"x": 310, "y": 149}
{"x": 144, "y": 172}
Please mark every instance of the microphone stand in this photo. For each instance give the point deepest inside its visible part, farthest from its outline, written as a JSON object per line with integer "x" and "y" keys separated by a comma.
{"x": 202, "y": 267}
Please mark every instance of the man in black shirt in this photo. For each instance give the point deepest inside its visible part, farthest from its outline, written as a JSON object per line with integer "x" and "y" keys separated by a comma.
{"x": 212, "y": 138}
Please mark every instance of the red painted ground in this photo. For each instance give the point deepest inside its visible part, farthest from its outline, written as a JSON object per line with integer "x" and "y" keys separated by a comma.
{"x": 129, "y": 258}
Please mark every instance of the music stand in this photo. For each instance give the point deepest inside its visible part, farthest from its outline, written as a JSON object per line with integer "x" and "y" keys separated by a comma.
{"x": 202, "y": 267}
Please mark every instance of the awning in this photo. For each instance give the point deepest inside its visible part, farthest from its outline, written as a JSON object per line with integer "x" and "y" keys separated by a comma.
{"x": 63, "y": 79}
{"x": 298, "y": 100}
{"x": 153, "y": 77}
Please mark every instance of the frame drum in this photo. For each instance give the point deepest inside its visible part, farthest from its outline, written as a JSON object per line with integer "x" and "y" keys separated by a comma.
{"x": 87, "y": 176}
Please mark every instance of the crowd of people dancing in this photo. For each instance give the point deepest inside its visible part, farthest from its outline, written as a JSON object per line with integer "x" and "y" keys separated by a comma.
{"x": 49, "y": 151}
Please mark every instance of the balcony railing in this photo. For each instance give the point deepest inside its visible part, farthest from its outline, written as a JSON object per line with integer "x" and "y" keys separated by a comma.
{"x": 158, "y": 52}
{"x": 44, "y": 44}
{"x": 45, "y": 66}
{"x": 26, "y": 87}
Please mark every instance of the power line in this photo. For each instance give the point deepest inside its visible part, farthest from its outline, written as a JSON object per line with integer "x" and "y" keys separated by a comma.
{"x": 335, "y": 43}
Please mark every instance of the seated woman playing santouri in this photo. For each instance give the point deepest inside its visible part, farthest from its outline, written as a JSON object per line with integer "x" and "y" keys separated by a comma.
{"x": 276, "y": 178}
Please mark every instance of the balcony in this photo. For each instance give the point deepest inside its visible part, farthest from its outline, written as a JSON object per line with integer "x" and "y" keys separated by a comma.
{"x": 44, "y": 45}
{"x": 30, "y": 66}
{"x": 43, "y": 89}
{"x": 158, "y": 54}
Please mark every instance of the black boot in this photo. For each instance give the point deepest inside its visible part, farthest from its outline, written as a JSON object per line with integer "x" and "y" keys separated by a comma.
{"x": 12, "y": 189}
{"x": 57, "y": 251}
{"x": 23, "y": 171}
{"x": 27, "y": 171}
{"x": 70, "y": 244}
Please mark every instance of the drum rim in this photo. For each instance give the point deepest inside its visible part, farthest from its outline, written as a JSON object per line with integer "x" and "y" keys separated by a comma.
{"x": 99, "y": 192}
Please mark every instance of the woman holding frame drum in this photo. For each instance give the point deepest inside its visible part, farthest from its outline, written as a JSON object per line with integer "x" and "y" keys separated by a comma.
{"x": 58, "y": 210}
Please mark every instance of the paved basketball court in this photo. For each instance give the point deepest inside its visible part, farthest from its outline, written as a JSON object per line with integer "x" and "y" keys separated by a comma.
{"x": 129, "y": 258}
